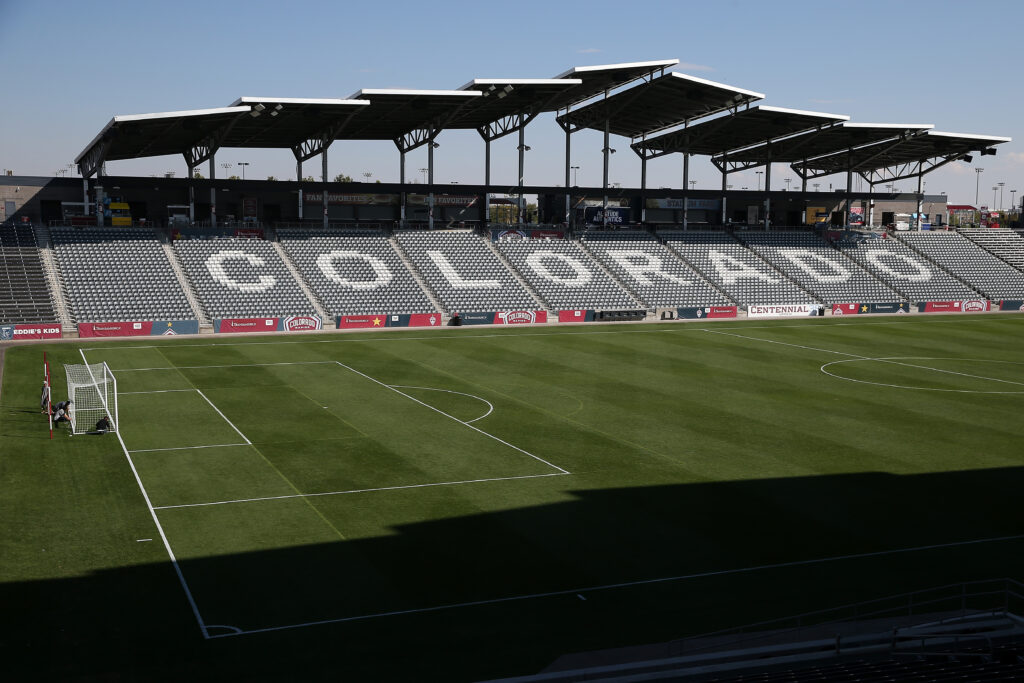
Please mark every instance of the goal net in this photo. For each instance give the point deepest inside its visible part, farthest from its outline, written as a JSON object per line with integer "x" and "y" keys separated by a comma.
{"x": 92, "y": 390}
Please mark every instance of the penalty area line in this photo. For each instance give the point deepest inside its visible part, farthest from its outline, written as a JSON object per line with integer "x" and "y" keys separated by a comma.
{"x": 578, "y": 592}
{"x": 373, "y": 490}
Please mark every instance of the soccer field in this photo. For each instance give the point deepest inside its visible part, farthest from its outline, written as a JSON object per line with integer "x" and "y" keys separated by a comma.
{"x": 478, "y": 501}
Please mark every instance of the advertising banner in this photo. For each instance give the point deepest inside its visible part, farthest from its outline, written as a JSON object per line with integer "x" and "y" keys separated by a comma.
{"x": 968, "y": 306}
{"x": 172, "y": 327}
{"x": 249, "y": 233}
{"x": 781, "y": 310}
{"x": 30, "y": 331}
{"x": 415, "y": 320}
{"x": 547, "y": 234}
{"x": 854, "y": 309}
{"x": 616, "y": 216}
{"x": 245, "y": 325}
{"x": 576, "y": 316}
{"x": 903, "y": 307}
{"x": 504, "y": 318}
{"x": 507, "y": 235}
{"x": 520, "y": 317}
{"x": 707, "y": 312}
{"x": 355, "y": 321}
{"x": 117, "y": 329}
{"x": 1011, "y": 305}
{"x": 340, "y": 198}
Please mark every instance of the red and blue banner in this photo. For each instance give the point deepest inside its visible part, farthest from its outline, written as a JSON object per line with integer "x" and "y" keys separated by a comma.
{"x": 504, "y": 318}
{"x": 30, "y": 331}
{"x": 966, "y": 306}
{"x": 292, "y": 323}
{"x": 345, "y": 322}
{"x": 706, "y": 312}
{"x": 1011, "y": 305}
{"x": 856, "y": 309}
{"x": 139, "y": 328}
{"x": 578, "y": 315}
{"x": 416, "y": 320}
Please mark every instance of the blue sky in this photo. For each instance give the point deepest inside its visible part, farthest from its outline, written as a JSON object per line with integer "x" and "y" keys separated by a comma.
{"x": 70, "y": 66}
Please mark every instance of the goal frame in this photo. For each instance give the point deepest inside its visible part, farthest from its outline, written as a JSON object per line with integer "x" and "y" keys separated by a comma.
{"x": 105, "y": 387}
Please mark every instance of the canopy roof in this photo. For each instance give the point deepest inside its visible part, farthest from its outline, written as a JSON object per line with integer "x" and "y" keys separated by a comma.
{"x": 841, "y": 136}
{"x": 928, "y": 144}
{"x": 501, "y": 97}
{"x": 742, "y": 129}
{"x": 657, "y": 104}
{"x": 605, "y": 77}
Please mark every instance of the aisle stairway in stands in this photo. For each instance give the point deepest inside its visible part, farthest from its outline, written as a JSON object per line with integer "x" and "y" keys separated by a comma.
{"x": 186, "y": 286}
{"x": 318, "y": 305}
{"x": 58, "y": 292}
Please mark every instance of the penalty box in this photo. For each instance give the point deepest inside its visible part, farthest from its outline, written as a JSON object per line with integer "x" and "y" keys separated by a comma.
{"x": 243, "y": 433}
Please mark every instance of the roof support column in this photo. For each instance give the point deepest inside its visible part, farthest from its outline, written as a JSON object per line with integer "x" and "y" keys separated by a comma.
{"x": 768, "y": 193}
{"x": 725, "y": 177}
{"x": 522, "y": 161}
{"x": 298, "y": 177}
{"x": 871, "y": 205}
{"x": 213, "y": 191}
{"x": 401, "y": 183}
{"x": 430, "y": 180}
{"x": 604, "y": 181}
{"x": 920, "y": 196}
{"x": 568, "y": 167}
{"x": 686, "y": 189}
{"x": 643, "y": 189}
{"x": 85, "y": 195}
{"x": 323, "y": 177}
{"x": 849, "y": 188}
{"x": 191, "y": 194}
{"x": 487, "y": 181}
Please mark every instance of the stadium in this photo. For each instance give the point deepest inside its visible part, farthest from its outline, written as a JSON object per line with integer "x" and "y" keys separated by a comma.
{"x": 602, "y": 432}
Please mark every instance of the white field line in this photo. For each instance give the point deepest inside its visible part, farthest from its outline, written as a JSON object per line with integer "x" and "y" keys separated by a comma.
{"x": 225, "y": 417}
{"x": 198, "y": 367}
{"x": 160, "y": 530}
{"x": 677, "y": 327}
{"x": 490, "y": 406}
{"x": 854, "y": 356}
{"x": 452, "y": 417}
{"x": 629, "y": 584}
{"x": 186, "y": 448}
{"x": 157, "y": 391}
{"x": 342, "y": 493}
{"x": 912, "y": 365}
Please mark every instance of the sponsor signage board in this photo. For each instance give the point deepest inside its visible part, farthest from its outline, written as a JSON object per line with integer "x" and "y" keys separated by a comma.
{"x": 504, "y": 318}
{"x": 30, "y": 331}
{"x": 680, "y": 204}
{"x": 855, "y": 309}
{"x": 1011, "y": 305}
{"x": 245, "y": 324}
{"x": 341, "y": 198}
{"x": 139, "y": 328}
{"x": 415, "y": 320}
{"x": 345, "y": 322}
{"x": 706, "y": 312}
{"x": 781, "y": 310}
{"x": 614, "y": 216}
{"x": 965, "y": 306}
{"x": 578, "y": 315}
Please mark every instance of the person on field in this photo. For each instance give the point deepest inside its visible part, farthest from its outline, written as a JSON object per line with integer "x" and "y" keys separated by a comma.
{"x": 103, "y": 426}
{"x": 62, "y": 412}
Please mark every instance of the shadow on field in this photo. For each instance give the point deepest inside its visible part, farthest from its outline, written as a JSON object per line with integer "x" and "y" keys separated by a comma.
{"x": 135, "y": 622}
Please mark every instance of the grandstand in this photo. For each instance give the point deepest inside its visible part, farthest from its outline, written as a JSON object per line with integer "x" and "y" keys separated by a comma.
{"x": 118, "y": 274}
{"x": 355, "y": 273}
{"x": 241, "y": 278}
{"x": 826, "y": 273}
{"x": 24, "y": 295}
{"x": 464, "y": 273}
{"x": 735, "y": 270}
{"x": 564, "y": 276}
{"x": 905, "y": 271}
{"x": 1006, "y": 244}
{"x": 981, "y": 270}
{"x": 650, "y": 271}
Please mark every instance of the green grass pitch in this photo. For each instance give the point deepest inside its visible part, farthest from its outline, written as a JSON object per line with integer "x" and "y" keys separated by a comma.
{"x": 471, "y": 503}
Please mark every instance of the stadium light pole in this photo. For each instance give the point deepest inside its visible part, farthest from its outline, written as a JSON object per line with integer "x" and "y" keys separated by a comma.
{"x": 243, "y": 164}
{"x": 1000, "y": 195}
{"x": 424, "y": 172}
{"x": 367, "y": 175}
{"x": 575, "y": 179}
{"x": 1013, "y": 201}
{"x": 995, "y": 189}
{"x": 693, "y": 184}
{"x": 759, "y": 174}
{"x": 788, "y": 181}
{"x": 977, "y": 184}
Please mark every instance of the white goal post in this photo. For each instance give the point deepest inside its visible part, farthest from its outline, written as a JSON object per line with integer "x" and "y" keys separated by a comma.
{"x": 92, "y": 390}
